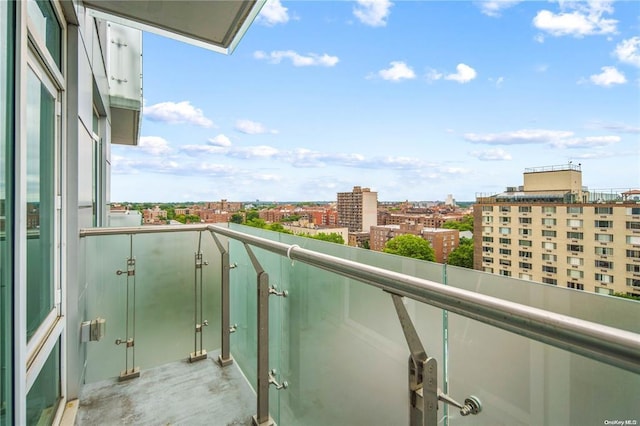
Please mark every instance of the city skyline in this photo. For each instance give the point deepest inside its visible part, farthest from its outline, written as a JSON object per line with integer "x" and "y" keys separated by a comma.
{"x": 415, "y": 100}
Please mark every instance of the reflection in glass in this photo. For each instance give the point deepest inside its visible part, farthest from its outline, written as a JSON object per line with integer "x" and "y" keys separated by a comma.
{"x": 6, "y": 177}
{"x": 44, "y": 19}
{"x": 43, "y": 397}
{"x": 40, "y": 192}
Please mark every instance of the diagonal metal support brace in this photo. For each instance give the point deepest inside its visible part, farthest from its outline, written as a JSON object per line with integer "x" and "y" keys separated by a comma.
{"x": 225, "y": 357}
{"x": 424, "y": 393}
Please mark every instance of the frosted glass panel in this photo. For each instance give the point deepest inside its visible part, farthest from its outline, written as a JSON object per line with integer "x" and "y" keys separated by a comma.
{"x": 520, "y": 381}
{"x": 165, "y": 302}
{"x": 343, "y": 352}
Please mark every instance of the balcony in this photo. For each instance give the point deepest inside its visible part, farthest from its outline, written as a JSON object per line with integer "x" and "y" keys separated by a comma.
{"x": 302, "y": 332}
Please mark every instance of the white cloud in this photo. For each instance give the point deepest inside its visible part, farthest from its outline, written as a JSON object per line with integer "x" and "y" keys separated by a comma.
{"x": 298, "y": 60}
{"x": 253, "y": 128}
{"x": 220, "y": 140}
{"x": 628, "y": 51}
{"x": 577, "y": 19}
{"x": 608, "y": 77}
{"x": 373, "y": 12}
{"x": 433, "y": 75}
{"x": 496, "y": 154}
{"x": 261, "y": 151}
{"x": 273, "y": 13}
{"x": 177, "y": 113}
{"x": 586, "y": 142}
{"x": 196, "y": 150}
{"x": 553, "y": 138}
{"x": 464, "y": 74}
{"x": 494, "y": 8}
{"x": 497, "y": 81}
{"x": 615, "y": 127}
{"x": 539, "y": 38}
{"x": 154, "y": 145}
{"x": 397, "y": 71}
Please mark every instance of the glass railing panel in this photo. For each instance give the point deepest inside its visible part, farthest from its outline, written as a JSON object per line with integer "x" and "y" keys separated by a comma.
{"x": 343, "y": 352}
{"x": 45, "y": 393}
{"x": 520, "y": 381}
{"x": 167, "y": 299}
{"x": 243, "y": 293}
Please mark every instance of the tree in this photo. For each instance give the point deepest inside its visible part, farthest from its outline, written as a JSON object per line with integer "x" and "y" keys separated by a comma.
{"x": 410, "y": 246}
{"x": 256, "y": 223}
{"x": 332, "y": 237}
{"x": 463, "y": 254}
{"x": 466, "y": 224}
{"x": 277, "y": 227}
{"x": 237, "y": 218}
{"x": 253, "y": 214}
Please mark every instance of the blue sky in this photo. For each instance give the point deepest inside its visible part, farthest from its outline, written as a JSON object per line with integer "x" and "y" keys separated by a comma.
{"x": 414, "y": 99}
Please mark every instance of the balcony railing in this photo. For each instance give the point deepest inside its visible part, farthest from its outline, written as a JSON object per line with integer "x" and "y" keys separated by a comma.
{"x": 337, "y": 324}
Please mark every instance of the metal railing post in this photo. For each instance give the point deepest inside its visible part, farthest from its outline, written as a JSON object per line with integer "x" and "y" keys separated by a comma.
{"x": 262, "y": 418}
{"x": 225, "y": 357}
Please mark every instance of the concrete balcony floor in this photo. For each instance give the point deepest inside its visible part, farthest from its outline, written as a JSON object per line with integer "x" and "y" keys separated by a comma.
{"x": 179, "y": 393}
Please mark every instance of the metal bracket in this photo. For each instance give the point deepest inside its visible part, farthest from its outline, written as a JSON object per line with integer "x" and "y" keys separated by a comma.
{"x": 273, "y": 381}
{"x": 130, "y": 343}
{"x": 273, "y": 290}
{"x": 234, "y": 265}
{"x": 233, "y": 328}
{"x": 131, "y": 268}
{"x": 199, "y": 326}
{"x": 199, "y": 262}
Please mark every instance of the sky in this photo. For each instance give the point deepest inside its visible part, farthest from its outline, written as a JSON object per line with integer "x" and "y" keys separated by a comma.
{"x": 413, "y": 99}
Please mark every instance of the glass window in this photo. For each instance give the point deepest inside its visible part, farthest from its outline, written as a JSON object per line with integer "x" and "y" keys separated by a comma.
{"x": 548, "y": 209}
{"x": 525, "y": 243}
{"x": 524, "y": 220}
{"x": 574, "y": 210}
{"x": 7, "y": 29}
{"x": 574, "y": 273}
{"x": 604, "y": 251}
{"x": 605, "y": 238}
{"x": 633, "y": 239}
{"x": 548, "y": 221}
{"x": 523, "y": 231}
{"x": 524, "y": 209}
{"x": 604, "y": 278}
{"x": 574, "y": 223}
{"x": 603, "y": 210}
{"x": 41, "y": 140}
{"x": 549, "y": 257}
{"x": 575, "y": 247}
{"x": 603, "y": 223}
{"x": 44, "y": 395}
{"x": 607, "y": 264}
{"x": 505, "y": 251}
{"x": 577, "y": 286}
{"x": 505, "y": 209}
{"x": 505, "y": 240}
{"x": 522, "y": 253}
{"x": 633, "y": 225}
{"x": 574, "y": 235}
{"x": 505, "y": 231}
{"x": 633, "y": 268}
{"x": 487, "y": 208}
{"x": 576, "y": 261}
{"x": 46, "y": 23}
{"x": 551, "y": 281}
{"x": 633, "y": 210}
{"x": 547, "y": 233}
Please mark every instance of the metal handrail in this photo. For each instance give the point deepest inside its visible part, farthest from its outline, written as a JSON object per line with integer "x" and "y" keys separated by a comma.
{"x": 603, "y": 343}
{"x": 610, "y": 345}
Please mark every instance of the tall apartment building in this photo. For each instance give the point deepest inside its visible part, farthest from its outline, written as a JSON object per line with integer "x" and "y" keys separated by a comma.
{"x": 553, "y": 230}
{"x": 358, "y": 209}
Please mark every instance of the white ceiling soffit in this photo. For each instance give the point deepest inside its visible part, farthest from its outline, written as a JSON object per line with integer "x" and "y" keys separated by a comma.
{"x": 216, "y": 25}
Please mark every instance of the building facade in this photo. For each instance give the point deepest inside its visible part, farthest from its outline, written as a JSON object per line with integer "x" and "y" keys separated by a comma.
{"x": 552, "y": 230}
{"x": 443, "y": 241}
{"x": 358, "y": 209}
{"x": 70, "y": 86}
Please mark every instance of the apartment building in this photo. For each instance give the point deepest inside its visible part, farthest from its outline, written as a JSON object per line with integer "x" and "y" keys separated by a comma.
{"x": 443, "y": 241}
{"x": 358, "y": 209}
{"x": 554, "y": 230}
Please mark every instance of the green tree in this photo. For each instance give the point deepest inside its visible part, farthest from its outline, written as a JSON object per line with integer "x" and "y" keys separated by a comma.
{"x": 410, "y": 246}
{"x": 253, "y": 214}
{"x": 463, "y": 254}
{"x": 237, "y": 218}
{"x": 256, "y": 223}
{"x": 277, "y": 227}
{"x": 332, "y": 237}
{"x": 627, "y": 296}
{"x": 466, "y": 224}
